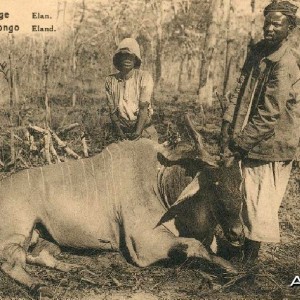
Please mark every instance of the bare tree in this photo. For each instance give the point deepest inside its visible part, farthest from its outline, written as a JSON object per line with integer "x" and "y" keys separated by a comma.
{"x": 252, "y": 27}
{"x": 11, "y": 103}
{"x": 229, "y": 41}
{"x": 75, "y": 52}
{"x": 157, "y": 8}
{"x": 205, "y": 90}
{"x": 46, "y": 73}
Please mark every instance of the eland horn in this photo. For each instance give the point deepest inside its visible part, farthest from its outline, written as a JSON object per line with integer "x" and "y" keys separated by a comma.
{"x": 202, "y": 153}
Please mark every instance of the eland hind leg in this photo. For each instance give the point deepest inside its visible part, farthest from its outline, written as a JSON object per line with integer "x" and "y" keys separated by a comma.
{"x": 15, "y": 239}
{"x": 18, "y": 218}
{"x": 44, "y": 253}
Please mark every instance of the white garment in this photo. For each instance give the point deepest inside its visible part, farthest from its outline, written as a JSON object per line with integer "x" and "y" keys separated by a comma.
{"x": 127, "y": 94}
{"x": 263, "y": 187}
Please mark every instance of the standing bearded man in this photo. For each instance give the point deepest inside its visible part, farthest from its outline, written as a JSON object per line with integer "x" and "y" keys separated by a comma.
{"x": 261, "y": 126}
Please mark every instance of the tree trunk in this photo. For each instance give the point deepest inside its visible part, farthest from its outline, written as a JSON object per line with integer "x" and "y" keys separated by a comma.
{"x": 158, "y": 60}
{"x": 218, "y": 47}
{"x": 157, "y": 7}
{"x": 205, "y": 90}
{"x": 74, "y": 70}
{"x": 252, "y": 28}
{"x": 17, "y": 96}
{"x": 179, "y": 88}
{"x": 237, "y": 45}
{"x": 75, "y": 53}
{"x": 227, "y": 10}
{"x": 46, "y": 71}
{"x": 11, "y": 105}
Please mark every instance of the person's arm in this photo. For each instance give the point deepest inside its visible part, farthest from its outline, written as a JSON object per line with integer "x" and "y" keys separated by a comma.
{"x": 142, "y": 118}
{"x": 144, "y": 104}
{"x": 261, "y": 126}
{"x": 113, "y": 110}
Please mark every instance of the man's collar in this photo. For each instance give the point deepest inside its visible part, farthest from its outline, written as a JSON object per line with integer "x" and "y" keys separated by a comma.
{"x": 278, "y": 53}
{"x": 122, "y": 77}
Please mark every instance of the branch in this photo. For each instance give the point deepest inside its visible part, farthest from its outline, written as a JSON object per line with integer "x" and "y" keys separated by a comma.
{"x": 49, "y": 148}
{"x": 89, "y": 39}
{"x": 37, "y": 129}
{"x": 64, "y": 146}
{"x": 47, "y": 141}
{"x": 30, "y": 138}
{"x": 222, "y": 101}
{"x": 84, "y": 144}
{"x": 54, "y": 153}
{"x": 76, "y": 32}
{"x": 22, "y": 160}
{"x": 18, "y": 138}
{"x": 68, "y": 128}
{"x": 3, "y": 71}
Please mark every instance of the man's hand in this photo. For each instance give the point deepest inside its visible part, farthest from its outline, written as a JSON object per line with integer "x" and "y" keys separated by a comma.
{"x": 237, "y": 150}
{"x": 231, "y": 154}
{"x": 141, "y": 119}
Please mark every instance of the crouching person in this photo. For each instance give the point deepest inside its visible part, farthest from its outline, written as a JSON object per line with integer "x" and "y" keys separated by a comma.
{"x": 129, "y": 94}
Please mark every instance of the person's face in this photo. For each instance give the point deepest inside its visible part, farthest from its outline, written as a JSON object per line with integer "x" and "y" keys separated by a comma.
{"x": 276, "y": 28}
{"x": 127, "y": 62}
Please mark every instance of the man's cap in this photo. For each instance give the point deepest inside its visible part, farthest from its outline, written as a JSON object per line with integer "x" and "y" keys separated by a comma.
{"x": 285, "y": 7}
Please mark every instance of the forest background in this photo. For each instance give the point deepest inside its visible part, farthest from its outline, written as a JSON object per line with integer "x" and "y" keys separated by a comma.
{"x": 193, "y": 48}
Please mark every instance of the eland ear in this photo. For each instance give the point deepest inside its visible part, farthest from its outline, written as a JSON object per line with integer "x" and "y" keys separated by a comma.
{"x": 186, "y": 194}
{"x": 189, "y": 191}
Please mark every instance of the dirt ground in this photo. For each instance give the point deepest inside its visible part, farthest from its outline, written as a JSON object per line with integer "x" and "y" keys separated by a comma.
{"x": 106, "y": 275}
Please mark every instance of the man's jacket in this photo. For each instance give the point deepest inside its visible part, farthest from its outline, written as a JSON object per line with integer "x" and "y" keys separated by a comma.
{"x": 264, "y": 110}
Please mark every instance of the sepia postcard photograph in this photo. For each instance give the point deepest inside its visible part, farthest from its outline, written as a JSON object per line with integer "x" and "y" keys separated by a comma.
{"x": 149, "y": 149}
